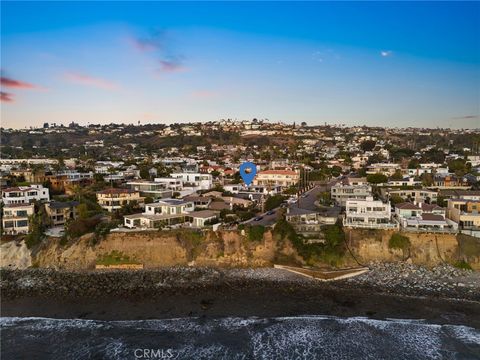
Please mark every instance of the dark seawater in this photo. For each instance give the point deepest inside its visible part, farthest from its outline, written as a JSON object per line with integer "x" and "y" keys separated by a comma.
{"x": 303, "y": 337}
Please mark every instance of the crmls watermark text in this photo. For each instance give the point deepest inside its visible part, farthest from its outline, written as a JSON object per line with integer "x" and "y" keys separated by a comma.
{"x": 154, "y": 354}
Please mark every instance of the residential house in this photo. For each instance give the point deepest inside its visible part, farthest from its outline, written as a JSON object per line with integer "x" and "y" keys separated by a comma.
{"x": 422, "y": 216}
{"x": 368, "y": 213}
{"x": 60, "y": 212}
{"x": 196, "y": 180}
{"x": 283, "y": 178}
{"x": 464, "y": 212}
{"x": 25, "y": 194}
{"x": 15, "y": 218}
{"x": 151, "y": 189}
{"x": 414, "y": 195}
{"x": 341, "y": 193}
{"x": 114, "y": 198}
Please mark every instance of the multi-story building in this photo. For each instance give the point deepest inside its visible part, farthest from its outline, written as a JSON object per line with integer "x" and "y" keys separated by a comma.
{"x": 450, "y": 181}
{"x": 114, "y": 198}
{"x": 196, "y": 180}
{"x": 170, "y": 183}
{"x": 67, "y": 182}
{"x": 307, "y": 222}
{"x": 421, "y": 216}
{"x": 169, "y": 207}
{"x": 464, "y": 212}
{"x": 368, "y": 213}
{"x": 341, "y": 193}
{"x": 153, "y": 189}
{"x": 170, "y": 212}
{"x": 283, "y": 178}
{"x": 25, "y": 194}
{"x": 60, "y": 212}
{"x": 383, "y": 168}
{"x": 414, "y": 195}
{"x": 15, "y": 219}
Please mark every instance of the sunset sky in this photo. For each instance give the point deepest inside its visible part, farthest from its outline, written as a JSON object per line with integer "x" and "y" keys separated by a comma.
{"x": 387, "y": 64}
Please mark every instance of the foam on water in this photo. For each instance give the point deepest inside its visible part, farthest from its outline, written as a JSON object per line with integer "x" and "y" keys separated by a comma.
{"x": 302, "y": 337}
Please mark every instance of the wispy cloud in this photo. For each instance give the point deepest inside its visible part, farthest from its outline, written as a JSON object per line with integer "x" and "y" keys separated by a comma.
{"x": 154, "y": 41}
{"x": 386, "y": 53}
{"x": 6, "y": 97}
{"x": 466, "y": 117}
{"x": 172, "y": 65}
{"x": 12, "y": 83}
{"x": 204, "y": 94}
{"x": 87, "y": 80}
{"x": 159, "y": 44}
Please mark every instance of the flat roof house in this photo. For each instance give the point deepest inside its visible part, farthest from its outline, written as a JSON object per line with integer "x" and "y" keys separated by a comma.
{"x": 25, "y": 194}
{"x": 15, "y": 219}
{"x": 114, "y": 198}
{"x": 369, "y": 214}
{"x": 60, "y": 212}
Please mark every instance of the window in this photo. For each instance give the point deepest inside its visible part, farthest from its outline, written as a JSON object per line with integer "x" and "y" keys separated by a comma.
{"x": 8, "y": 224}
{"x": 22, "y": 223}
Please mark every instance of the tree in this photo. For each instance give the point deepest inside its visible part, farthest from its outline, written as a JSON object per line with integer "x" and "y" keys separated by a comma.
{"x": 414, "y": 164}
{"x": 148, "y": 200}
{"x": 396, "y": 199}
{"x": 397, "y": 175}
{"x": 377, "y": 178}
{"x": 368, "y": 145}
{"x": 36, "y": 229}
{"x": 273, "y": 202}
{"x": 82, "y": 211}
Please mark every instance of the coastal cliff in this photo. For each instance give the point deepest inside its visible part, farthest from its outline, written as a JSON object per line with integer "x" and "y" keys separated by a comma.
{"x": 233, "y": 249}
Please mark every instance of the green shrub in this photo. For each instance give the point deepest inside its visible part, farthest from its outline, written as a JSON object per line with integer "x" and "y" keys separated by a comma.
{"x": 273, "y": 202}
{"x": 399, "y": 241}
{"x": 462, "y": 264}
{"x": 115, "y": 258}
{"x": 255, "y": 232}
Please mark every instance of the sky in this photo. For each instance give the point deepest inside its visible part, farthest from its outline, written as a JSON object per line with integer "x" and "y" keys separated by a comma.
{"x": 395, "y": 64}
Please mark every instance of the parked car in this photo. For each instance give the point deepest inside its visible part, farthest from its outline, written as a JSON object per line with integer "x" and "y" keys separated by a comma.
{"x": 271, "y": 212}
{"x": 258, "y": 218}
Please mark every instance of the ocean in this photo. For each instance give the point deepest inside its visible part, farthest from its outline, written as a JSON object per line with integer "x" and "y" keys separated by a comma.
{"x": 299, "y": 337}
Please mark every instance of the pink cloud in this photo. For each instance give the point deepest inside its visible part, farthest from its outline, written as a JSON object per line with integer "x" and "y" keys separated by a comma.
{"x": 6, "y": 97}
{"x": 11, "y": 83}
{"x": 88, "y": 80}
{"x": 171, "y": 66}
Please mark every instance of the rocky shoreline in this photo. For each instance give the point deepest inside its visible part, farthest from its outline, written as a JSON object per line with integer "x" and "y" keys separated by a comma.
{"x": 443, "y": 294}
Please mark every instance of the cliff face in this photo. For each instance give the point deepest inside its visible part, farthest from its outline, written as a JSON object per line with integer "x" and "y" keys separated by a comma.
{"x": 154, "y": 249}
{"x": 426, "y": 249}
{"x": 230, "y": 248}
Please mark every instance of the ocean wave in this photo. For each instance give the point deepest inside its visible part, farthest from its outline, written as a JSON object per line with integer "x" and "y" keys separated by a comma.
{"x": 298, "y": 337}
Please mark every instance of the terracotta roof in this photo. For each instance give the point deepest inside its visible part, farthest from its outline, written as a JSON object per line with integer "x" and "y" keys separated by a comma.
{"x": 117, "y": 191}
{"x": 432, "y": 217}
{"x": 407, "y": 206}
{"x": 278, "y": 172}
{"x": 430, "y": 207}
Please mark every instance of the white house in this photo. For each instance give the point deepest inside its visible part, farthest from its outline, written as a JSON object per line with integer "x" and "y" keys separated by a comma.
{"x": 25, "y": 194}
{"x": 341, "y": 193}
{"x": 15, "y": 219}
{"x": 196, "y": 180}
{"x": 368, "y": 213}
{"x": 170, "y": 183}
{"x": 421, "y": 216}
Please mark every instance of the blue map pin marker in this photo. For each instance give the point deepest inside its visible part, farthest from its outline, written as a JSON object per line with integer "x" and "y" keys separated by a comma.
{"x": 248, "y": 170}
